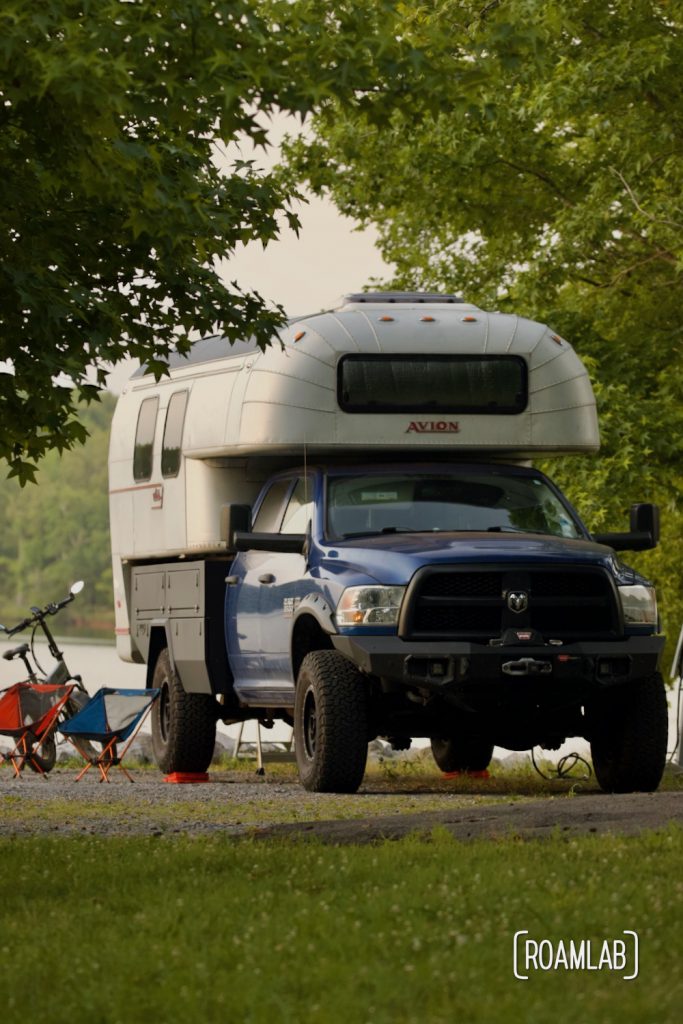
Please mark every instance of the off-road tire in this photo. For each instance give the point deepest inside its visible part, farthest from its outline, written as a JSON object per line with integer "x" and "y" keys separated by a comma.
{"x": 629, "y": 732}
{"x": 462, "y": 753}
{"x": 183, "y": 724}
{"x": 330, "y": 724}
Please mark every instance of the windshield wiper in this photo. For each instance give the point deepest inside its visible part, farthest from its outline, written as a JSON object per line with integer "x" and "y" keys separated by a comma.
{"x": 511, "y": 529}
{"x": 377, "y": 533}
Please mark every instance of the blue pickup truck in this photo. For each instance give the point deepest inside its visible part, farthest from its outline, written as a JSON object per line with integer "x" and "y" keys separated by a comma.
{"x": 411, "y": 576}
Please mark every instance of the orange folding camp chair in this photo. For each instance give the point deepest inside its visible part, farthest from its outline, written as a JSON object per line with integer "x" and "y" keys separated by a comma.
{"x": 29, "y": 714}
{"x": 111, "y": 717}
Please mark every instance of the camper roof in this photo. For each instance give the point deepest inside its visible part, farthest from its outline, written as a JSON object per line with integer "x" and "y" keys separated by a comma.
{"x": 387, "y": 371}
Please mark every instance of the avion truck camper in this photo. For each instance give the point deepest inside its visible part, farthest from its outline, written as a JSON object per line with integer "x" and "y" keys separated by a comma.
{"x": 345, "y": 532}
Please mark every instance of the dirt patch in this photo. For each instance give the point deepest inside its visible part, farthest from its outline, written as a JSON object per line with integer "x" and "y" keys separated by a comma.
{"x": 579, "y": 814}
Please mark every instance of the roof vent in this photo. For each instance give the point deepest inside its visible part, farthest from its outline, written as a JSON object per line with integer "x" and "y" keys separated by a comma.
{"x": 407, "y": 297}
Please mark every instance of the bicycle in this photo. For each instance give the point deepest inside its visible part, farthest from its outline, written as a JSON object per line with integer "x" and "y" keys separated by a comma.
{"x": 60, "y": 674}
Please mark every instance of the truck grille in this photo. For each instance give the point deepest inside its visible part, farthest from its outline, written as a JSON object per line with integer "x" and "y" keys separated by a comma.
{"x": 563, "y": 603}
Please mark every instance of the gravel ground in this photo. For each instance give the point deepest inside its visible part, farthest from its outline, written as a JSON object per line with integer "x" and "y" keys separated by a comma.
{"x": 235, "y": 804}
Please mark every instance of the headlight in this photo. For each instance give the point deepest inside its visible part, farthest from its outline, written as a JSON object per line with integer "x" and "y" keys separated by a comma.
{"x": 370, "y": 606}
{"x": 639, "y": 605}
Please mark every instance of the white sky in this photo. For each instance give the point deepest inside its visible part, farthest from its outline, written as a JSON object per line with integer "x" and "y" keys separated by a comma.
{"x": 329, "y": 258}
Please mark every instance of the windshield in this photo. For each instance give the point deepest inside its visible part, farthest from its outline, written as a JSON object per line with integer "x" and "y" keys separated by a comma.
{"x": 467, "y": 501}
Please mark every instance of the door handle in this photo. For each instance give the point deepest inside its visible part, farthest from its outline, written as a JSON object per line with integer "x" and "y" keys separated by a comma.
{"x": 267, "y": 577}
{"x": 232, "y": 580}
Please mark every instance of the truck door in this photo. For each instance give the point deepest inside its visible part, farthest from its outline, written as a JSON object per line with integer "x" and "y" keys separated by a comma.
{"x": 285, "y": 581}
{"x": 243, "y": 597}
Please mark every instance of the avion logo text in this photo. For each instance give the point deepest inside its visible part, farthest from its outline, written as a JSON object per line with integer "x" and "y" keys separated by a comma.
{"x": 433, "y": 427}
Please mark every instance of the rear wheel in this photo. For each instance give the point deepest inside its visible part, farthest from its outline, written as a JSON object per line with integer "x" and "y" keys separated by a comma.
{"x": 462, "y": 753}
{"x": 330, "y": 724}
{"x": 629, "y": 732}
{"x": 183, "y": 724}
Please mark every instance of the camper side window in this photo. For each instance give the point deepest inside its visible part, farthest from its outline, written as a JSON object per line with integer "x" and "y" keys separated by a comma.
{"x": 144, "y": 439}
{"x": 173, "y": 434}
{"x": 269, "y": 515}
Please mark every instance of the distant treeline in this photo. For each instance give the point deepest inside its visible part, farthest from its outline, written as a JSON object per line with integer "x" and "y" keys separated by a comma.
{"x": 57, "y": 531}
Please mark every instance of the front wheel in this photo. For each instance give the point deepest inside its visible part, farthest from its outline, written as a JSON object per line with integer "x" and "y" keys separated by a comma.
{"x": 629, "y": 732}
{"x": 330, "y": 724}
{"x": 183, "y": 724}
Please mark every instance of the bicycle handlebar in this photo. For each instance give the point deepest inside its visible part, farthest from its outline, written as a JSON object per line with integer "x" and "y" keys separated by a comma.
{"x": 38, "y": 615}
{"x": 18, "y": 629}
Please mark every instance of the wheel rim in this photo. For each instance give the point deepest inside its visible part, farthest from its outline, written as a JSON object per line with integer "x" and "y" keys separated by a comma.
{"x": 310, "y": 725}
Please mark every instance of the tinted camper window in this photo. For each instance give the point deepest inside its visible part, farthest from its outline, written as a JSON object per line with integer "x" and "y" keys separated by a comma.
{"x": 432, "y": 383}
{"x": 144, "y": 439}
{"x": 173, "y": 434}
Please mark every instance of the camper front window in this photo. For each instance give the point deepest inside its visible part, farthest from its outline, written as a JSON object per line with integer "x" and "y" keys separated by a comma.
{"x": 463, "y": 501}
{"x": 381, "y": 383}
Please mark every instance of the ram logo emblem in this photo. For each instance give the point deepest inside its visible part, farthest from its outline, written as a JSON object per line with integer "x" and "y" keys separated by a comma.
{"x": 517, "y": 601}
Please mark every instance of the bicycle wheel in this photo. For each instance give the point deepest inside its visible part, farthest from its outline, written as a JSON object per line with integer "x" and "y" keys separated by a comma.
{"x": 44, "y": 756}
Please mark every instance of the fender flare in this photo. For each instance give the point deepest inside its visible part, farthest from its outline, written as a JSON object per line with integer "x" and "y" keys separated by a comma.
{"x": 319, "y": 607}
{"x": 315, "y": 609}
{"x": 156, "y": 626}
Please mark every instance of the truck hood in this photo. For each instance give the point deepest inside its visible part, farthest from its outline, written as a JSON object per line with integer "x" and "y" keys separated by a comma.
{"x": 393, "y": 558}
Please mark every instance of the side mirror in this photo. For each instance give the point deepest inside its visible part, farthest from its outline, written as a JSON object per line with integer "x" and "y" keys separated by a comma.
{"x": 234, "y": 518}
{"x": 645, "y": 519}
{"x": 76, "y": 587}
{"x": 284, "y": 543}
{"x": 643, "y": 535}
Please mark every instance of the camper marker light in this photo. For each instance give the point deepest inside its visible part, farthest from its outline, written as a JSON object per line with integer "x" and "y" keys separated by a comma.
{"x": 299, "y": 335}
{"x": 427, "y": 319}
{"x": 639, "y": 605}
{"x": 370, "y": 606}
{"x": 469, "y": 319}
{"x": 386, "y": 319}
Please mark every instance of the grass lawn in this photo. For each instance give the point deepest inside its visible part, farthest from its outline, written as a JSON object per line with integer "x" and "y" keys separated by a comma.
{"x": 203, "y": 929}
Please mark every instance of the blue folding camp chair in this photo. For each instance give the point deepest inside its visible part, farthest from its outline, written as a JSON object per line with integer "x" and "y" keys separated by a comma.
{"x": 111, "y": 717}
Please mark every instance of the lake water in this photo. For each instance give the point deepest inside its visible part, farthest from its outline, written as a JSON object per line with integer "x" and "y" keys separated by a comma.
{"x": 99, "y": 665}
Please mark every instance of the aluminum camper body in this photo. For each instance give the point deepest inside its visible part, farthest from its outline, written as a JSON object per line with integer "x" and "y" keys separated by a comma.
{"x": 246, "y": 406}
{"x": 225, "y": 601}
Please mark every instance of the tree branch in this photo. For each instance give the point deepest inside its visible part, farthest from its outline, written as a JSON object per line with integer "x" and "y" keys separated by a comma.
{"x": 649, "y": 216}
{"x": 541, "y": 177}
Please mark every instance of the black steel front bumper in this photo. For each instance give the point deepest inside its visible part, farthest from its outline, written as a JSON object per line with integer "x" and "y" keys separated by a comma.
{"x": 450, "y": 668}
